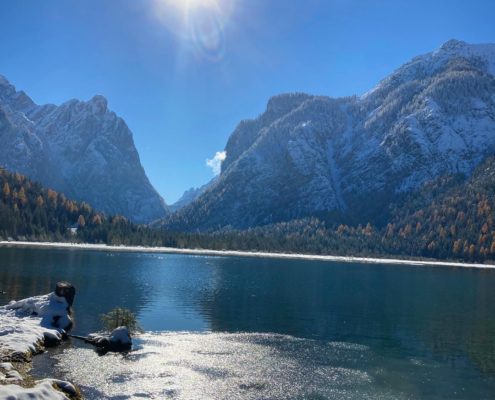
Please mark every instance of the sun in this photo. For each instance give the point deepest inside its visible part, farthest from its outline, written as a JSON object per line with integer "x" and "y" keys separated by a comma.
{"x": 186, "y": 9}
{"x": 200, "y": 23}
{"x": 190, "y": 5}
{"x": 197, "y": 3}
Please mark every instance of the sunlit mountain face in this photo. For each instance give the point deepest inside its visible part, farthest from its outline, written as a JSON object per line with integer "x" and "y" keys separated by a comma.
{"x": 81, "y": 149}
{"x": 347, "y": 159}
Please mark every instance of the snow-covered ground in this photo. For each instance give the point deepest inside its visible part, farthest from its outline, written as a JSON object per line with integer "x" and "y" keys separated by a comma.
{"x": 232, "y": 253}
{"x": 46, "y": 389}
{"x": 8, "y": 373}
{"x": 25, "y": 326}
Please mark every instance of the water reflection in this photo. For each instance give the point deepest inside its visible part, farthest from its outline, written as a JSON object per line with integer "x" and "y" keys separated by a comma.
{"x": 443, "y": 313}
{"x": 102, "y": 280}
{"x": 442, "y": 318}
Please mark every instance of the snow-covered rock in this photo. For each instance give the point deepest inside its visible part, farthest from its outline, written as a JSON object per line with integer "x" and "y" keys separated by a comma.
{"x": 79, "y": 148}
{"x": 46, "y": 389}
{"x": 313, "y": 155}
{"x": 119, "y": 340}
{"x": 120, "y": 337}
{"x": 8, "y": 373}
{"x": 27, "y": 325}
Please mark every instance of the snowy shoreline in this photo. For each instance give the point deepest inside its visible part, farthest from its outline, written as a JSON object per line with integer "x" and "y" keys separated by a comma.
{"x": 27, "y": 327}
{"x": 235, "y": 253}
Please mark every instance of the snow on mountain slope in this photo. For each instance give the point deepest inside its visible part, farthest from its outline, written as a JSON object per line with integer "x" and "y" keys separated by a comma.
{"x": 79, "y": 148}
{"x": 482, "y": 55}
{"x": 310, "y": 155}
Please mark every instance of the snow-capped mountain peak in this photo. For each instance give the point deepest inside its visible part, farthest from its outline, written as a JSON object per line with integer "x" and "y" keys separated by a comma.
{"x": 457, "y": 48}
{"x": 80, "y": 148}
{"x": 421, "y": 67}
{"x": 313, "y": 155}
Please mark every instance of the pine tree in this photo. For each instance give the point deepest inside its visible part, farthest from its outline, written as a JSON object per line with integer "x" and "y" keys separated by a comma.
{"x": 39, "y": 201}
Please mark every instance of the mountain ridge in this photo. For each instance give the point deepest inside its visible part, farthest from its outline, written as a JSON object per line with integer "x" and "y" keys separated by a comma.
{"x": 320, "y": 156}
{"x": 80, "y": 148}
{"x": 190, "y": 195}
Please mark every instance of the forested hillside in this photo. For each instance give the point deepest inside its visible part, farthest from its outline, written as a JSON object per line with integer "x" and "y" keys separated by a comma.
{"x": 449, "y": 218}
{"x": 30, "y": 212}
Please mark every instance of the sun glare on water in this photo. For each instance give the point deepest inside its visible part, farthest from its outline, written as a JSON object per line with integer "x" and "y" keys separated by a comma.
{"x": 199, "y": 22}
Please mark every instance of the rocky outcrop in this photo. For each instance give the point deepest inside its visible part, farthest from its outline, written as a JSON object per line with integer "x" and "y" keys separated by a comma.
{"x": 26, "y": 327}
{"x": 79, "y": 148}
{"x": 190, "y": 195}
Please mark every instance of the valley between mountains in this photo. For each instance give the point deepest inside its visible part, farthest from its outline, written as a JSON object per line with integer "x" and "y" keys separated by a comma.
{"x": 405, "y": 168}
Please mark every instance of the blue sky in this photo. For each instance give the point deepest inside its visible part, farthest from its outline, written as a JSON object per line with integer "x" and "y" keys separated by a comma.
{"x": 182, "y": 87}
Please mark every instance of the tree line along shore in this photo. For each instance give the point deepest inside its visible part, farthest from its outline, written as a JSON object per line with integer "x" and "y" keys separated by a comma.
{"x": 451, "y": 218}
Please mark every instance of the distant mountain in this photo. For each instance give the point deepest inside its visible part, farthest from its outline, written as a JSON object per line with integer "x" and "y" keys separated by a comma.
{"x": 190, "y": 195}
{"x": 79, "y": 148}
{"x": 347, "y": 159}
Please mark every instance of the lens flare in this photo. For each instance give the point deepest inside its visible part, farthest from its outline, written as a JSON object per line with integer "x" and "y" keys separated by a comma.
{"x": 198, "y": 22}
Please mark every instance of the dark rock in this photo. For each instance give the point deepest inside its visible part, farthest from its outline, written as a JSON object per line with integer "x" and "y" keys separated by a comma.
{"x": 50, "y": 340}
{"x": 67, "y": 290}
{"x": 118, "y": 341}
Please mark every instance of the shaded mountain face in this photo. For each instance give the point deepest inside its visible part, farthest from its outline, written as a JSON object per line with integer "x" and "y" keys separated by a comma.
{"x": 79, "y": 148}
{"x": 350, "y": 157}
{"x": 190, "y": 195}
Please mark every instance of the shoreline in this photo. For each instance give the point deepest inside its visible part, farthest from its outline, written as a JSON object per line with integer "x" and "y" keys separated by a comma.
{"x": 27, "y": 327}
{"x": 236, "y": 253}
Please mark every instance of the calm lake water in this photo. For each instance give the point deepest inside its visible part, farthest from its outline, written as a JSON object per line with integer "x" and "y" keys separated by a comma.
{"x": 246, "y": 328}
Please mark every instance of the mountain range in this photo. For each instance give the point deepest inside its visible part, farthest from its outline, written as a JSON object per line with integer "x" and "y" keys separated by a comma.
{"x": 347, "y": 159}
{"x": 343, "y": 160}
{"x": 79, "y": 148}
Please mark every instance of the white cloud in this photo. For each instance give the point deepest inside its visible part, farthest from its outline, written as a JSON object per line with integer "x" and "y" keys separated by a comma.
{"x": 215, "y": 163}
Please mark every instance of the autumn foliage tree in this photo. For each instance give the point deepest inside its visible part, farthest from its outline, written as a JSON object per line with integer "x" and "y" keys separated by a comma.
{"x": 449, "y": 218}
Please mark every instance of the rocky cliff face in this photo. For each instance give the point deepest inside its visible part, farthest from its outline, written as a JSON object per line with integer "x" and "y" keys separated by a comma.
{"x": 79, "y": 148}
{"x": 310, "y": 155}
{"x": 190, "y": 195}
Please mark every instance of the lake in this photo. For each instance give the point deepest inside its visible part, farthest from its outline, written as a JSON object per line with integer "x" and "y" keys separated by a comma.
{"x": 254, "y": 328}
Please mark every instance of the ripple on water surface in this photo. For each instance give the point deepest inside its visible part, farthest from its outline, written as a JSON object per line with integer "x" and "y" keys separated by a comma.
{"x": 231, "y": 366}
